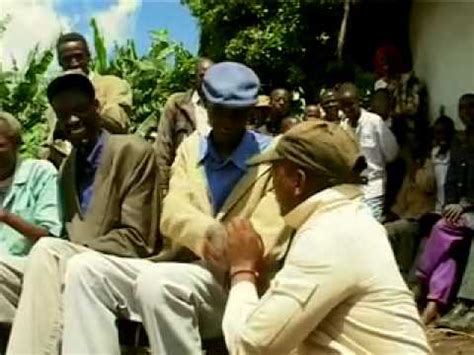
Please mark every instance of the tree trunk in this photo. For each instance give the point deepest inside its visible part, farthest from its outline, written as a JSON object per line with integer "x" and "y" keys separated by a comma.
{"x": 343, "y": 29}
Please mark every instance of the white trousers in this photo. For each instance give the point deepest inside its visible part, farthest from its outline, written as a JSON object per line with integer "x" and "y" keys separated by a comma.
{"x": 11, "y": 277}
{"x": 37, "y": 325}
{"x": 178, "y": 304}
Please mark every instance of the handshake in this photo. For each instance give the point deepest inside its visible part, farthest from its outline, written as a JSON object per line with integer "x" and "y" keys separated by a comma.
{"x": 233, "y": 246}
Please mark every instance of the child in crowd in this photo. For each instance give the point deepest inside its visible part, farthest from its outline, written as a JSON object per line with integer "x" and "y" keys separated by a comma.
{"x": 312, "y": 112}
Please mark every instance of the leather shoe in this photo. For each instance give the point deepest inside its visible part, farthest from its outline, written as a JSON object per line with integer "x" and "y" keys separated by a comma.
{"x": 458, "y": 311}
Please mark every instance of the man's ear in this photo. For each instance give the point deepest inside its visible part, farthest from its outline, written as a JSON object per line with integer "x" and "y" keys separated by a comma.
{"x": 300, "y": 182}
{"x": 96, "y": 105}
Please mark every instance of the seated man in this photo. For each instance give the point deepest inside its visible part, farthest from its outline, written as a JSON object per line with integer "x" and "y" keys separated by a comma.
{"x": 29, "y": 210}
{"x": 183, "y": 301}
{"x": 113, "y": 94}
{"x": 110, "y": 196}
{"x": 451, "y": 241}
{"x": 377, "y": 142}
{"x": 331, "y": 296}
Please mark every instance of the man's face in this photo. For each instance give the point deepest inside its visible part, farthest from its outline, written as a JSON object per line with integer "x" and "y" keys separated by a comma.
{"x": 74, "y": 55}
{"x": 350, "y": 106}
{"x": 466, "y": 112}
{"x": 381, "y": 105}
{"x": 77, "y": 113}
{"x": 8, "y": 148}
{"x": 201, "y": 69}
{"x": 227, "y": 124}
{"x": 311, "y": 112}
{"x": 280, "y": 102}
{"x": 285, "y": 186}
{"x": 331, "y": 107}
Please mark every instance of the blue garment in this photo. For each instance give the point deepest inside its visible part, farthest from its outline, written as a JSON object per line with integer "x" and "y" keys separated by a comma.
{"x": 223, "y": 174}
{"x": 86, "y": 167}
{"x": 33, "y": 196}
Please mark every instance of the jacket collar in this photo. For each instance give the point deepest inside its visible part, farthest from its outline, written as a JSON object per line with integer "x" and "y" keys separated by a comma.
{"x": 247, "y": 147}
{"x": 322, "y": 201}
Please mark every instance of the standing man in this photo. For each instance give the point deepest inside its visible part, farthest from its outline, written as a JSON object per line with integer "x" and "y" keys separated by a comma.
{"x": 113, "y": 94}
{"x": 181, "y": 302}
{"x": 331, "y": 296}
{"x": 111, "y": 205}
{"x": 184, "y": 112}
{"x": 377, "y": 142}
{"x": 280, "y": 106}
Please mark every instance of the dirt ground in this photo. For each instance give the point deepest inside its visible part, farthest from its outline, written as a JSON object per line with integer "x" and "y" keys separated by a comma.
{"x": 445, "y": 341}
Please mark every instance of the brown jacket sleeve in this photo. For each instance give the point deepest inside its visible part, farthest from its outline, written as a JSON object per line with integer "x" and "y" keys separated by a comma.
{"x": 137, "y": 228}
{"x": 116, "y": 104}
{"x": 164, "y": 144}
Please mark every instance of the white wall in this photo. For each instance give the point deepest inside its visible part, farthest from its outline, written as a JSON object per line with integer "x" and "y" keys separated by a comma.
{"x": 442, "y": 43}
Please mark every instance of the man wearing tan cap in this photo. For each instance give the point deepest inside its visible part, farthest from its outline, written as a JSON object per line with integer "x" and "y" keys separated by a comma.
{"x": 332, "y": 295}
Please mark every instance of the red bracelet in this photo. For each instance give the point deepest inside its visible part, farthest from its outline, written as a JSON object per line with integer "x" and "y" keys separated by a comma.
{"x": 244, "y": 271}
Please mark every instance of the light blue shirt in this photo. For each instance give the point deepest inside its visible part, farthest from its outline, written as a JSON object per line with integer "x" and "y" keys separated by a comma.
{"x": 223, "y": 174}
{"x": 33, "y": 196}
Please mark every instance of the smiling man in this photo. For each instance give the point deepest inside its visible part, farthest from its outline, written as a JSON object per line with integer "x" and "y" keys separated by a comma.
{"x": 110, "y": 198}
{"x": 113, "y": 94}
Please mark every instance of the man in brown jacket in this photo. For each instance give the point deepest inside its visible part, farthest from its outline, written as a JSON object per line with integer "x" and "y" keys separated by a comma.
{"x": 113, "y": 94}
{"x": 184, "y": 112}
{"x": 111, "y": 200}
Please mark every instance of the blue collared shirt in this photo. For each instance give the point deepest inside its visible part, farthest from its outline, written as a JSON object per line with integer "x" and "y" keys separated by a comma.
{"x": 224, "y": 173}
{"x": 86, "y": 167}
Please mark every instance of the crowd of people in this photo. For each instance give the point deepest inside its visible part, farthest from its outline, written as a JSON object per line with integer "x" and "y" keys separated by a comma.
{"x": 343, "y": 229}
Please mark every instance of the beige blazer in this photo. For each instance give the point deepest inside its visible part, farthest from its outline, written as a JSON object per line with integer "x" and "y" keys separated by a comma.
{"x": 188, "y": 214}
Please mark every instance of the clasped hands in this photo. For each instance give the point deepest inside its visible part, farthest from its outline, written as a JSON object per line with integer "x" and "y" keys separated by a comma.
{"x": 234, "y": 247}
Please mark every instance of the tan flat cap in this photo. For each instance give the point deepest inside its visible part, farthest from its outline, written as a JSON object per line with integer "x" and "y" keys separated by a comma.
{"x": 319, "y": 146}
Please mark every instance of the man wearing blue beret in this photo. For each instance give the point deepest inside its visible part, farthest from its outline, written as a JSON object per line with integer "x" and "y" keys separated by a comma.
{"x": 178, "y": 295}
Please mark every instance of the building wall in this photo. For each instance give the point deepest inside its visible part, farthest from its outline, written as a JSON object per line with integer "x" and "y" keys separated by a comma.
{"x": 442, "y": 43}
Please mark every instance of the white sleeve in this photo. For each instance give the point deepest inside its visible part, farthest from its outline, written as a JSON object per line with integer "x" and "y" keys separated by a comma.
{"x": 387, "y": 141}
{"x": 307, "y": 288}
{"x": 242, "y": 300}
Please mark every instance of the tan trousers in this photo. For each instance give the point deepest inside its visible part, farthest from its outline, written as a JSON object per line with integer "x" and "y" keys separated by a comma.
{"x": 38, "y": 321}
{"x": 11, "y": 277}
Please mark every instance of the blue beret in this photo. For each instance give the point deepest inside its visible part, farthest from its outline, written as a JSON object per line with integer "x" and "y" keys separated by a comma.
{"x": 231, "y": 84}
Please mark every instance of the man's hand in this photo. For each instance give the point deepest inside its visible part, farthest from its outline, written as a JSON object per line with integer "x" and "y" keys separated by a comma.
{"x": 213, "y": 249}
{"x": 243, "y": 247}
{"x": 452, "y": 213}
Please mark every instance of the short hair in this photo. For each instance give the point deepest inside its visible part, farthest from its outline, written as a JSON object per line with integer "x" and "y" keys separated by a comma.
{"x": 13, "y": 126}
{"x": 71, "y": 37}
{"x": 204, "y": 59}
{"x": 350, "y": 88}
{"x": 467, "y": 97}
{"x": 288, "y": 92}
